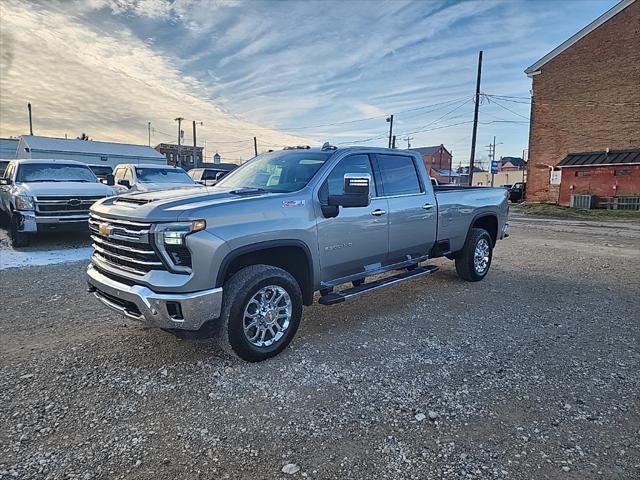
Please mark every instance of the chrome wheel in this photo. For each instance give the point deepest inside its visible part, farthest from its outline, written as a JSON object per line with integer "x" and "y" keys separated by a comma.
{"x": 481, "y": 256}
{"x": 267, "y": 316}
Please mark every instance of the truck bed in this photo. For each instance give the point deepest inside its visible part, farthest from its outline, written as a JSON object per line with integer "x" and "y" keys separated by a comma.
{"x": 459, "y": 205}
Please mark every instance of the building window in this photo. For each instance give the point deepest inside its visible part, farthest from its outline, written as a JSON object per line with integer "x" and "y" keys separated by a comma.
{"x": 622, "y": 173}
{"x": 583, "y": 174}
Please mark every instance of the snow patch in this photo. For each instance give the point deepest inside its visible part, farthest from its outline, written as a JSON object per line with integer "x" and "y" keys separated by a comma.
{"x": 10, "y": 258}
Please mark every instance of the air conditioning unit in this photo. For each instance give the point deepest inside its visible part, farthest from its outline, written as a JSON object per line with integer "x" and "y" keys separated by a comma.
{"x": 582, "y": 201}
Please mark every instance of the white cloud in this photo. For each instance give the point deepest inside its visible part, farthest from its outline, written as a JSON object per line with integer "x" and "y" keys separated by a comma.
{"x": 107, "y": 84}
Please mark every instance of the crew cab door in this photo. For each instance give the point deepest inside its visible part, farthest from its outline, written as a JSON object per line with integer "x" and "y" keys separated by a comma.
{"x": 413, "y": 214}
{"x": 356, "y": 239}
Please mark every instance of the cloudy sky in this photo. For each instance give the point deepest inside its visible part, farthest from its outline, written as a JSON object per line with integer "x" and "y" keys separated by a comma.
{"x": 287, "y": 72}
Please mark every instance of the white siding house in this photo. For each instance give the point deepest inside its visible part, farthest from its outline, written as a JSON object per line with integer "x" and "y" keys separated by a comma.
{"x": 87, "y": 151}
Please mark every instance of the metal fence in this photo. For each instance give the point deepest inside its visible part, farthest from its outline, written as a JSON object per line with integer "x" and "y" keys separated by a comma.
{"x": 619, "y": 203}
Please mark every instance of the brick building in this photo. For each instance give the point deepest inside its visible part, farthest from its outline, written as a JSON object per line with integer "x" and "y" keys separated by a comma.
{"x": 585, "y": 97}
{"x": 611, "y": 177}
{"x": 186, "y": 160}
{"x": 438, "y": 161}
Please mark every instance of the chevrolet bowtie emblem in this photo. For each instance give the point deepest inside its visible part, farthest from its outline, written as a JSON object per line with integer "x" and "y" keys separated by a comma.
{"x": 104, "y": 229}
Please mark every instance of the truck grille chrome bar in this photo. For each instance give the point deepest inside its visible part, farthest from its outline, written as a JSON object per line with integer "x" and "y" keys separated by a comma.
{"x": 123, "y": 245}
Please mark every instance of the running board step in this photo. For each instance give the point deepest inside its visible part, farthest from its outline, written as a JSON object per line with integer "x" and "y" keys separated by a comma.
{"x": 339, "y": 297}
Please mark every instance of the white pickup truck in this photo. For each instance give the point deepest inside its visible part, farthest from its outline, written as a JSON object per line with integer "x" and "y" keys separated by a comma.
{"x": 47, "y": 195}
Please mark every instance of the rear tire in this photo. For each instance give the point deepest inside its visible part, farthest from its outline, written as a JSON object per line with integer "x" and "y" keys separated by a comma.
{"x": 259, "y": 298}
{"x": 18, "y": 239}
{"x": 474, "y": 260}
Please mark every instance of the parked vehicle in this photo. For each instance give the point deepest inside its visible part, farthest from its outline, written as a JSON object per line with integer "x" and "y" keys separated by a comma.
{"x": 507, "y": 186}
{"x": 149, "y": 178}
{"x": 43, "y": 195}
{"x": 3, "y": 166}
{"x": 209, "y": 176}
{"x": 241, "y": 259}
{"x": 103, "y": 172}
{"x": 518, "y": 192}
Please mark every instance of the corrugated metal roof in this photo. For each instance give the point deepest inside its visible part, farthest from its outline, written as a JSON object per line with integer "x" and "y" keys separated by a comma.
{"x": 91, "y": 147}
{"x": 612, "y": 157}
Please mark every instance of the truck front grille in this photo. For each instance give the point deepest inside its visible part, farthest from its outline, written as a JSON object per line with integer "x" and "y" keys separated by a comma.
{"x": 60, "y": 206}
{"x": 124, "y": 245}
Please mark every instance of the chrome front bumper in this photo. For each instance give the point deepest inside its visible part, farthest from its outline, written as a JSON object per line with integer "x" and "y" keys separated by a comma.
{"x": 184, "y": 311}
{"x": 30, "y": 221}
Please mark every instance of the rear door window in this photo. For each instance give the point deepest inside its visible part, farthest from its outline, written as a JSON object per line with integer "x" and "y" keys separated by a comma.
{"x": 398, "y": 174}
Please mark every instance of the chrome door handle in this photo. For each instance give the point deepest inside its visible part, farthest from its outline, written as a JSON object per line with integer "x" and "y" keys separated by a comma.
{"x": 378, "y": 212}
{"x": 427, "y": 206}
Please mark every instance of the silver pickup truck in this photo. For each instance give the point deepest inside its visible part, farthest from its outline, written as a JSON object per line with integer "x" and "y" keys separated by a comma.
{"x": 39, "y": 196}
{"x": 239, "y": 260}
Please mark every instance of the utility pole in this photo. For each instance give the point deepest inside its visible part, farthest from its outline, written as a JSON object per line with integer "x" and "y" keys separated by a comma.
{"x": 393, "y": 142}
{"x": 195, "y": 149}
{"x": 408, "y": 140}
{"x": 149, "y": 132}
{"x": 450, "y": 164}
{"x": 390, "y": 121}
{"x": 255, "y": 146}
{"x": 30, "y": 121}
{"x": 475, "y": 120}
{"x": 179, "y": 120}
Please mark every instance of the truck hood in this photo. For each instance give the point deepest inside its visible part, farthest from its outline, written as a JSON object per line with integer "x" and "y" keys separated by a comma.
{"x": 66, "y": 189}
{"x": 168, "y": 205}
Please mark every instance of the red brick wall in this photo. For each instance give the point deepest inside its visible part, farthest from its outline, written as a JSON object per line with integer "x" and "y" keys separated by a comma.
{"x": 437, "y": 160}
{"x": 600, "y": 182}
{"x": 586, "y": 99}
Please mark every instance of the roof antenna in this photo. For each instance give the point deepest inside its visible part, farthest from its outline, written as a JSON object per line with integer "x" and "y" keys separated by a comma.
{"x": 326, "y": 145}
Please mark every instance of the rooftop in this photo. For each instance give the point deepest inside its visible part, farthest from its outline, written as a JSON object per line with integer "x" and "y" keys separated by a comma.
{"x": 53, "y": 144}
{"x": 610, "y": 157}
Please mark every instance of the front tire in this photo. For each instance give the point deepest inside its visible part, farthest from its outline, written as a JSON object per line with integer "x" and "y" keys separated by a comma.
{"x": 261, "y": 312}
{"x": 474, "y": 260}
{"x": 18, "y": 239}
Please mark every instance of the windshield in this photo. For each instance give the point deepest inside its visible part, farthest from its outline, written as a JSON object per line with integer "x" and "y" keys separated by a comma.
{"x": 51, "y": 172}
{"x": 284, "y": 171}
{"x": 163, "y": 175}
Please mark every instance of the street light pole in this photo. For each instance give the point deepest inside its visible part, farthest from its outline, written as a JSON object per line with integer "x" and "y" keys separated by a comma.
{"x": 390, "y": 120}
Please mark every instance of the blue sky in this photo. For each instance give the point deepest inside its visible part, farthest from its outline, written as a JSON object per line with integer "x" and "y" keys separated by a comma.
{"x": 284, "y": 71}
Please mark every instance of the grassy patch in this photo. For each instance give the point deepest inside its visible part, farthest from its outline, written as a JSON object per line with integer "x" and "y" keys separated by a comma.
{"x": 558, "y": 211}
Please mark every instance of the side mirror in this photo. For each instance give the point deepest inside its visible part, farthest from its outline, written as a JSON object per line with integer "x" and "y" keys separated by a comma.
{"x": 124, "y": 183}
{"x": 219, "y": 175}
{"x": 356, "y": 191}
{"x": 109, "y": 180}
{"x": 5, "y": 181}
{"x": 209, "y": 182}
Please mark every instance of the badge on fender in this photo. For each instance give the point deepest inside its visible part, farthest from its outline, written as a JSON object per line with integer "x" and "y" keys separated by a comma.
{"x": 292, "y": 203}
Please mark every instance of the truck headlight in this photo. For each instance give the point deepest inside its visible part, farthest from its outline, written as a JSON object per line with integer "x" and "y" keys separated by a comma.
{"x": 24, "y": 202}
{"x": 169, "y": 239}
{"x": 174, "y": 233}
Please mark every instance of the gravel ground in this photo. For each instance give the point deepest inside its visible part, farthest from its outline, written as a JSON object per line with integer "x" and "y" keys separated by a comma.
{"x": 532, "y": 373}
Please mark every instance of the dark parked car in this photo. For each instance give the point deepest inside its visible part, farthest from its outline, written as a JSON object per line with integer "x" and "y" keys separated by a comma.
{"x": 210, "y": 175}
{"x": 102, "y": 171}
{"x": 518, "y": 192}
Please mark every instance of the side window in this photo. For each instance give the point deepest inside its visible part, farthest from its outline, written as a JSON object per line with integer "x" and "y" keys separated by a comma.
{"x": 118, "y": 174}
{"x": 129, "y": 176}
{"x": 398, "y": 174}
{"x": 351, "y": 164}
{"x": 209, "y": 175}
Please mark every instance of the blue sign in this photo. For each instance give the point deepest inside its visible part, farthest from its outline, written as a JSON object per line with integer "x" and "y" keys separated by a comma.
{"x": 494, "y": 166}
